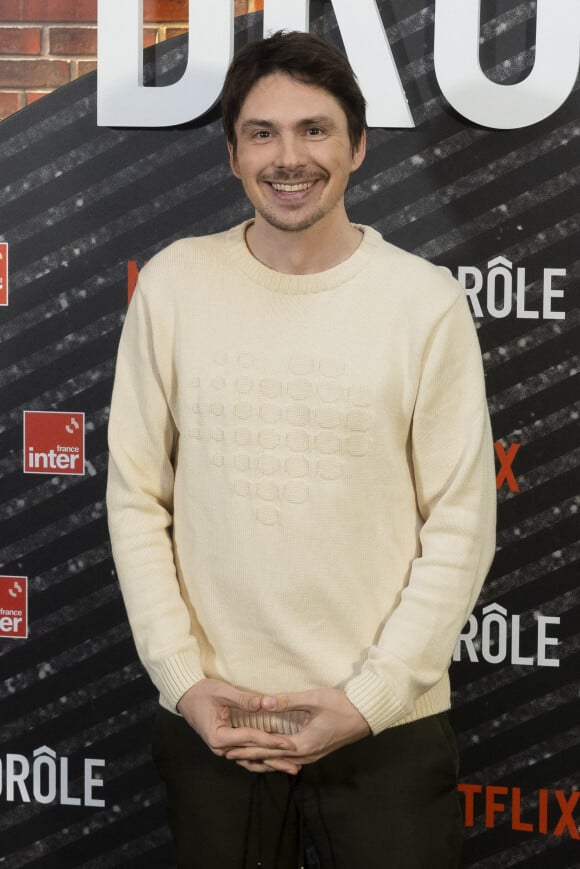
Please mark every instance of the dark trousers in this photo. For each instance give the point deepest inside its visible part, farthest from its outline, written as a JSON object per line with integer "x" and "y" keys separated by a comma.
{"x": 385, "y": 802}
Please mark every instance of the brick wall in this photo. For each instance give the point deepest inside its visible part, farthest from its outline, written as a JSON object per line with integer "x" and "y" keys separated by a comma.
{"x": 47, "y": 43}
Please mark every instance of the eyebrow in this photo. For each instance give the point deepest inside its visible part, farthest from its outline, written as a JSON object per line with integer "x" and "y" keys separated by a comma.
{"x": 256, "y": 122}
{"x": 319, "y": 121}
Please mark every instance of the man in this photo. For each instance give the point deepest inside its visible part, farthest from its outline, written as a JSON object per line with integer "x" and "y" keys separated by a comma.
{"x": 301, "y": 501}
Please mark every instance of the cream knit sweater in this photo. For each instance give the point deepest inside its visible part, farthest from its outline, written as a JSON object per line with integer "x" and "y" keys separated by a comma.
{"x": 301, "y": 484}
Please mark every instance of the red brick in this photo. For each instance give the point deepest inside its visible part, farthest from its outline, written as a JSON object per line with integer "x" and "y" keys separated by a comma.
{"x": 178, "y": 10}
{"x": 9, "y": 103}
{"x": 33, "y": 73}
{"x": 241, "y": 7}
{"x": 20, "y": 40}
{"x": 33, "y": 96}
{"x": 165, "y": 10}
{"x": 85, "y": 66}
{"x": 48, "y": 10}
{"x": 175, "y": 31}
{"x": 70, "y": 41}
{"x": 149, "y": 36}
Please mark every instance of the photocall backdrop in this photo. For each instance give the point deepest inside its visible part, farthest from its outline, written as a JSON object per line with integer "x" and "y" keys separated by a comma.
{"x": 83, "y": 208}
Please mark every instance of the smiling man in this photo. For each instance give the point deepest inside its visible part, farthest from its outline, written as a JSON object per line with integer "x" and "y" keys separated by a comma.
{"x": 295, "y": 163}
{"x": 301, "y": 501}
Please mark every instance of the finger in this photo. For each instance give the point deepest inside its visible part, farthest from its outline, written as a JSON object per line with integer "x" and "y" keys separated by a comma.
{"x": 298, "y": 701}
{"x": 222, "y": 694}
{"x": 308, "y": 750}
{"x": 255, "y": 753}
{"x": 276, "y": 702}
{"x": 254, "y": 766}
{"x": 246, "y": 701}
{"x": 283, "y": 766}
{"x": 236, "y": 737}
{"x": 301, "y": 747}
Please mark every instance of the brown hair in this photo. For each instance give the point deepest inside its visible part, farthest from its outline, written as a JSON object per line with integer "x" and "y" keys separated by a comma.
{"x": 304, "y": 57}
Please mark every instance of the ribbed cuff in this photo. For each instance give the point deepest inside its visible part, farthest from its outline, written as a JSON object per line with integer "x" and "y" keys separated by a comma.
{"x": 177, "y": 675}
{"x": 381, "y": 708}
{"x": 378, "y": 706}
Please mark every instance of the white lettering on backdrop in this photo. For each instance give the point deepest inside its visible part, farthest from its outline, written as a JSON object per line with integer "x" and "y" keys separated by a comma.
{"x": 124, "y": 101}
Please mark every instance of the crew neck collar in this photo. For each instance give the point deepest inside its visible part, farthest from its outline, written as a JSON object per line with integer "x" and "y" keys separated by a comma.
{"x": 300, "y": 284}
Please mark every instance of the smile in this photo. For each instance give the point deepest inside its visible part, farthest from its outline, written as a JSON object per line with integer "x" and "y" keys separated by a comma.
{"x": 293, "y": 188}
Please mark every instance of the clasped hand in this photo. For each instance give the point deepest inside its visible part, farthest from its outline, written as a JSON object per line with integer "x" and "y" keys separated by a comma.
{"x": 330, "y": 722}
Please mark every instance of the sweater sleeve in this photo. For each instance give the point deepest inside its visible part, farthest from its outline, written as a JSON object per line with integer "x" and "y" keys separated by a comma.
{"x": 142, "y": 444}
{"x": 453, "y": 466}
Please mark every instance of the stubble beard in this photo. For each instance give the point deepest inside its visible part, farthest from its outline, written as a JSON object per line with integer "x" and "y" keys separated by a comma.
{"x": 290, "y": 226}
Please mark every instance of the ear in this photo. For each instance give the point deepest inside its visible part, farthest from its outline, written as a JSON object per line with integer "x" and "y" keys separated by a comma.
{"x": 233, "y": 159}
{"x": 359, "y": 152}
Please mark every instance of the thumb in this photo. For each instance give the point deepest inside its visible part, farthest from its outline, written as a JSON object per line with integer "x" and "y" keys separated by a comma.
{"x": 275, "y": 702}
{"x": 287, "y": 711}
{"x": 247, "y": 701}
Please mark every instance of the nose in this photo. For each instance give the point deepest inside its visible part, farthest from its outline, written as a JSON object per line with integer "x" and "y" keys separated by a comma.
{"x": 291, "y": 153}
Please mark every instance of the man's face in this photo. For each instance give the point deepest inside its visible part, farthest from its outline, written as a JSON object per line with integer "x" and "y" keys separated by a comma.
{"x": 293, "y": 153}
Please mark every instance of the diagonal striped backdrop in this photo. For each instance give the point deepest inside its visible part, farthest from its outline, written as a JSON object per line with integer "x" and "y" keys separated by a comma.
{"x": 78, "y": 202}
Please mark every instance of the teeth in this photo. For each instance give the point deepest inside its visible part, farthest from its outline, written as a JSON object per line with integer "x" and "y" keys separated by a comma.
{"x": 293, "y": 188}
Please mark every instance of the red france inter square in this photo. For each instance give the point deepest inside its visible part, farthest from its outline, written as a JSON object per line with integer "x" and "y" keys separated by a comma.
{"x": 3, "y": 273}
{"x": 54, "y": 442}
{"x": 14, "y": 607}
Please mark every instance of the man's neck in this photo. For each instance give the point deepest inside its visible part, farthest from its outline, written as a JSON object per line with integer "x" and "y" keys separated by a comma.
{"x": 304, "y": 252}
